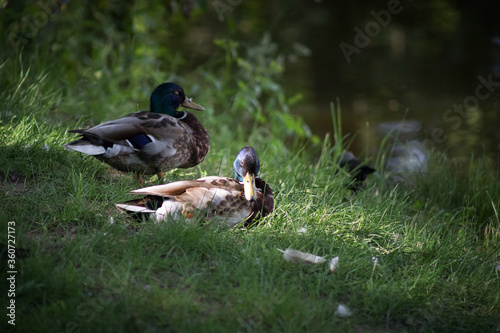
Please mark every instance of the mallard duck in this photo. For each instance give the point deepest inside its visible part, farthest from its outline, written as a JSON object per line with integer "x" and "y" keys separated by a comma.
{"x": 149, "y": 142}
{"x": 231, "y": 201}
{"x": 357, "y": 169}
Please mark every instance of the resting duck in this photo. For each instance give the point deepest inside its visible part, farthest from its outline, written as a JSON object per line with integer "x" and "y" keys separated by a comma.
{"x": 230, "y": 201}
{"x": 149, "y": 142}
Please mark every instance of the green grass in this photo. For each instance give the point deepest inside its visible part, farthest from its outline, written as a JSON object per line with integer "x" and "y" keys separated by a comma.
{"x": 436, "y": 234}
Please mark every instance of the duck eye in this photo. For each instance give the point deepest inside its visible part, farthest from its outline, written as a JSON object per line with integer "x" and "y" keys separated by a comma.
{"x": 177, "y": 92}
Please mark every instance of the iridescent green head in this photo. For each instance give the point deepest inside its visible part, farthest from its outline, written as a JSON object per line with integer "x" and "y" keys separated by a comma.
{"x": 246, "y": 167}
{"x": 168, "y": 97}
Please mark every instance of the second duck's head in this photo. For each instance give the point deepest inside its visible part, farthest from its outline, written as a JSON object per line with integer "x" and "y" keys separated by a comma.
{"x": 246, "y": 167}
{"x": 168, "y": 97}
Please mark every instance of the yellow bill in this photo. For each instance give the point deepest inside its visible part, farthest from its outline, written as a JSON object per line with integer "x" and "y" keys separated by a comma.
{"x": 249, "y": 187}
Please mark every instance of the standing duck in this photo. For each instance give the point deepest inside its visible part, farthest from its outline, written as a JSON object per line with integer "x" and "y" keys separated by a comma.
{"x": 231, "y": 201}
{"x": 149, "y": 142}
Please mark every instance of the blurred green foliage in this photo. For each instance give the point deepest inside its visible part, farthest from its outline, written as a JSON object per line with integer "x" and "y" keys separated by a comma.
{"x": 127, "y": 49}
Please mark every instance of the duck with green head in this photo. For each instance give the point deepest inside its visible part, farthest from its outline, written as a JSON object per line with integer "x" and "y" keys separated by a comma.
{"x": 228, "y": 201}
{"x": 149, "y": 142}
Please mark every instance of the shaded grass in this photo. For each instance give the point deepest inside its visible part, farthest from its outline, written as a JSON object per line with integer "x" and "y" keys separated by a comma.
{"x": 435, "y": 237}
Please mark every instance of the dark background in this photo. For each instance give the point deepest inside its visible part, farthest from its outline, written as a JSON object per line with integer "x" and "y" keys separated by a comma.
{"x": 425, "y": 60}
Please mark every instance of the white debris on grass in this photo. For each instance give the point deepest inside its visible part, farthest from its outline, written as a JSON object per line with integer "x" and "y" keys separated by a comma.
{"x": 334, "y": 263}
{"x": 298, "y": 257}
{"x": 343, "y": 311}
{"x": 302, "y": 231}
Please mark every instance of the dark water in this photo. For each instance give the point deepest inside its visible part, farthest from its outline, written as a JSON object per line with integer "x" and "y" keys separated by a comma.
{"x": 426, "y": 71}
{"x": 433, "y": 64}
